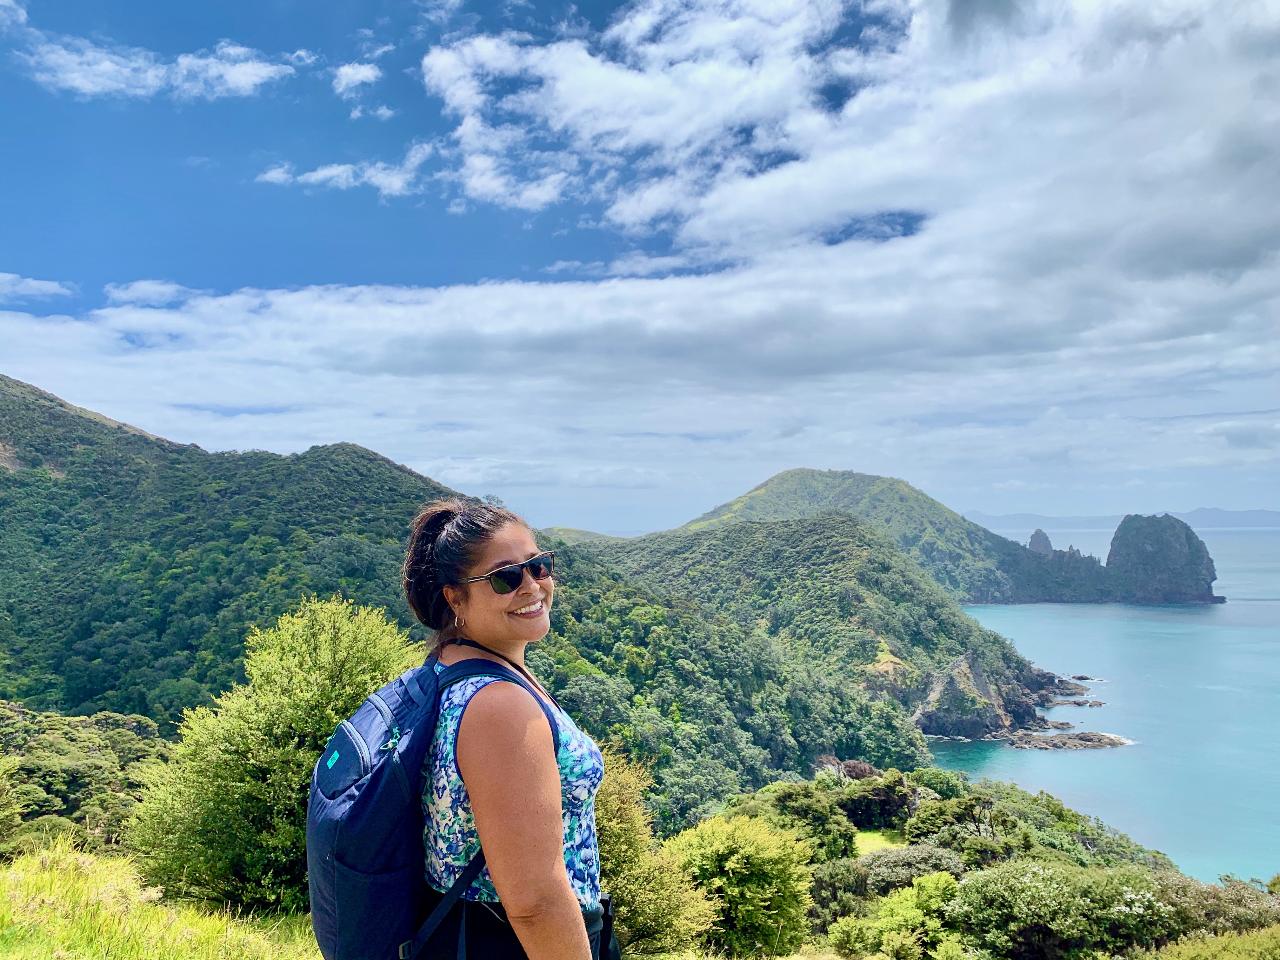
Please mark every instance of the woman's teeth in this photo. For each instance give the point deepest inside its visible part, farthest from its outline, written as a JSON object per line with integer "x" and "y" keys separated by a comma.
{"x": 531, "y": 608}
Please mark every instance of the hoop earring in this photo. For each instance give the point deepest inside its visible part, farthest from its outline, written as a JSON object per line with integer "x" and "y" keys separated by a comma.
{"x": 458, "y": 624}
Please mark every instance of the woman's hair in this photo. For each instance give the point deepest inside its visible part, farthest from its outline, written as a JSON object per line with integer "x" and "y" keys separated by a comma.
{"x": 444, "y": 541}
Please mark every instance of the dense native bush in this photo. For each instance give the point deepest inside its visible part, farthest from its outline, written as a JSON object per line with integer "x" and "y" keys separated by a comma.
{"x": 1260, "y": 945}
{"x": 759, "y": 878}
{"x": 79, "y": 776}
{"x": 1211, "y": 908}
{"x": 891, "y": 869}
{"x": 658, "y": 906}
{"x": 906, "y": 924}
{"x": 810, "y": 808}
{"x": 1050, "y": 911}
{"x": 11, "y": 806}
{"x": 839, "y": 890}
{"x": 947, "y": 784}
{"x": 225, "y": 819}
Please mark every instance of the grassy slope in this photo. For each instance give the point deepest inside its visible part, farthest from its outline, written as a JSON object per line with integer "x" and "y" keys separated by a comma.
{"x": 62, "y": 903}
{"x": 74, "y": 906}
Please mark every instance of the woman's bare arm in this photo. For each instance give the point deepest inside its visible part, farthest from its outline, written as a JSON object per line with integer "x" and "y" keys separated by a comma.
{"x": 507, "y": 761}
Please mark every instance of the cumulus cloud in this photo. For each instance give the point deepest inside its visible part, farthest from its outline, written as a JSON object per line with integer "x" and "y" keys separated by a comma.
{"x": 147, "y": 292}
{"x": 81, "y": 66}
{"x": 388, "y": 179}
{"x": 16, "y": 287}
{"x": 350, "y": 77}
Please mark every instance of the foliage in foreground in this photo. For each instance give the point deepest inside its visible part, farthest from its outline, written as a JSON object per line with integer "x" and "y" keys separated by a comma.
{"x": 225, "y": 819}
{"x": 657, "y": 904}
{"x": 1053, "y": 911}
{"x": 759, "y": 878}
{"x": 63, "y": 902}
{"x": 1259, "y": 945}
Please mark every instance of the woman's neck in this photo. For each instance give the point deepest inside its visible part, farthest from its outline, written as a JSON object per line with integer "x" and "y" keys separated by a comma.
{"x": 513, "y": 652}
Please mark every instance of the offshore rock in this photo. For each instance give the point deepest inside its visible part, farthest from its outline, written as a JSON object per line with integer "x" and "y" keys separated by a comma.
{"x": 1160, "y": 560}
{"x": 1040, "y": 543}
{"x": 1066, "y": 741}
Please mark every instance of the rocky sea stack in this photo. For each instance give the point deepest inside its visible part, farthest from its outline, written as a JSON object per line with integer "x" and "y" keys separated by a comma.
{"x": 1160, "y": 560}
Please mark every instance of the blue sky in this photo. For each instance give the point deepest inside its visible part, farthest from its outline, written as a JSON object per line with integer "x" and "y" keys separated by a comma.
{"x": 619, "y": 263}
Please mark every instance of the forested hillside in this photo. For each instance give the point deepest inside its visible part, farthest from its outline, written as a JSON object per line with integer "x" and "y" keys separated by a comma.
{"x": 975, "y": 564}
{"x": 131, "y": 567}
{"x": 834, "y": 592}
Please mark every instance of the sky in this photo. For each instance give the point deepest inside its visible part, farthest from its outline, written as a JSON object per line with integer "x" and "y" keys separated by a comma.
{"x": 617, "y": 264}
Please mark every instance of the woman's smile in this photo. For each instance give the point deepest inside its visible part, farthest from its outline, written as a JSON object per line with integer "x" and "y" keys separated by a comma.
{"x": 528, "y": 612}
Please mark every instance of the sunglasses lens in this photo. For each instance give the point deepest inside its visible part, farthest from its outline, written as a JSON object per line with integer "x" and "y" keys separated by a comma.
{"x": 506, "y": 579}
{"x": 540, "y": 567}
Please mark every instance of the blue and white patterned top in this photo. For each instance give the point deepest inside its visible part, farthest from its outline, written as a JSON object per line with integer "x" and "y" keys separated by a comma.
{"x": 450, "y": 837}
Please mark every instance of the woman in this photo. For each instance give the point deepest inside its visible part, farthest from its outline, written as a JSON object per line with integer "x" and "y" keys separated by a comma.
{"x": 495, "y": 780}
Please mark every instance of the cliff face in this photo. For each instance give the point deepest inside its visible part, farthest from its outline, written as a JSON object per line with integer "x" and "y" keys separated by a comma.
{"x": 1160, "y": 560}
{"x": 1040, "y": 543}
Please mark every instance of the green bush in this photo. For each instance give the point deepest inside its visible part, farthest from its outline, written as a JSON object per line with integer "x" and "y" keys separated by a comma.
{"x": 839, "y": 889}
{"x": 1261, "y": 945}
{"x": 658, "y": 906}
{"x": 905, "y": 924}
{"x": 1233, "y": 906}
{"x": 1273, "y": 885}
{"x": 899, "y": 866}
{"x": 225, "y": 819}
{"x": 11, "y": 804}
{"x": 809, "y": 808}
{"x": 947, "y": 784}
{"x": 758, "y": 877}
{"x": 1049, "y": 911}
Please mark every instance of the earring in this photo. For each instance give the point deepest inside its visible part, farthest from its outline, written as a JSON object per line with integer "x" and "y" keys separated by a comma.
{"x": 459, "y": 624}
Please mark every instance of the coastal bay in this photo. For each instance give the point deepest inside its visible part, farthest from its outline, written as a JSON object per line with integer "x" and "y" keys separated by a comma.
{"x": 1195, "y": 687}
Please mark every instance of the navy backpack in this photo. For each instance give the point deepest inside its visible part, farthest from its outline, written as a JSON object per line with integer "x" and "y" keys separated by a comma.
{"x": 366, "y": 864}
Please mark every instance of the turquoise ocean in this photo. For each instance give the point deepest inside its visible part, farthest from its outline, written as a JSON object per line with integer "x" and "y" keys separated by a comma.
{"x": 1197, "y": 690}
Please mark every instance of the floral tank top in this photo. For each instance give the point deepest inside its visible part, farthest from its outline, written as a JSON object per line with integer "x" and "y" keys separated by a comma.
{"x": 450, "y": 836}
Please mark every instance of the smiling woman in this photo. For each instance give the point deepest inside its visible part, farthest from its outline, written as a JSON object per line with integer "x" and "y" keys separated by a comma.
{"x": 496, "y": 780}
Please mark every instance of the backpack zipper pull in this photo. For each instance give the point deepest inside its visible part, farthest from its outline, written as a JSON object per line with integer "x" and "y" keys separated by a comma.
{"x": 395, "y": 739}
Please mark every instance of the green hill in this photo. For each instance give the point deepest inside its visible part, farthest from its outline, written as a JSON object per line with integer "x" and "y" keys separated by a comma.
{"x": 835, "y": 593}
{"x": 973, "y": 563}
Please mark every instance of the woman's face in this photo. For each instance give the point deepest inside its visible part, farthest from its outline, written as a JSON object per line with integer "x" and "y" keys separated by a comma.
{"x": 489, "y": 616}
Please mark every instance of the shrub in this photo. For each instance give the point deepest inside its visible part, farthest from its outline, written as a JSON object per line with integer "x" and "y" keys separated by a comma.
{"x": 1049, "y": 911}
{"x": 904, "y": 924}
{"x": 1208, "y": 908}
{"x": 11, "y": 805}
{"x": 897, "y": 867}
{"x": 758, "y": 877}
{"x": 947, "y": 784}
{"x": 877, "y": 803}
{"x": 225, "y": 819}
{"x": 658, "y": 906}
{"x": 839, "y": 887}
{"x": 1261, "y": 945}
{"x": 1273, "y": 885}
{"x": 808, "y": 808}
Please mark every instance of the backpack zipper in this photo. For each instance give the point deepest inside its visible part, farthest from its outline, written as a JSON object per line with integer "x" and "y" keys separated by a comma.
{"x": 388, "y": 718}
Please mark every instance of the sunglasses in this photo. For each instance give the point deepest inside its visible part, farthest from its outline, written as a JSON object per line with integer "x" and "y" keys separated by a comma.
{"x": 508, "y": 578}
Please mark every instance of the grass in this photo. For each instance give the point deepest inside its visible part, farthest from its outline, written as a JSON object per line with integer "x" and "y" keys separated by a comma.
{"x": 61, "y": 904}
{"x": 869, "y": 841}
{"x": 1258, "y": 945}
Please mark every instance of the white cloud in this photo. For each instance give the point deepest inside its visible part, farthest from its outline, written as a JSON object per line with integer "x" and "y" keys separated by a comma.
{"x": 389, "y": 179}
{"x": 350, "y": 77}
{"x": 147, "y": 292}
{"x": 302, "y": 57}
{"x": 12, "y": 13}
{"x": 16, "y": 287}
{"x": 80, "y": 66}
{"x": 380, "y": 112}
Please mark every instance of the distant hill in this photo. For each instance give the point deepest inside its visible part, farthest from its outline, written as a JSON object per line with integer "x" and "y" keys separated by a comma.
{"x": 1203, "y": 518}
{"x": 574, "y": 535}
{"x": 971, "y": 561}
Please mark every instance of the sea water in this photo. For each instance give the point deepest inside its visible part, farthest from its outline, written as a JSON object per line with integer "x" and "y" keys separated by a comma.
{"x": 1197, "y": 690}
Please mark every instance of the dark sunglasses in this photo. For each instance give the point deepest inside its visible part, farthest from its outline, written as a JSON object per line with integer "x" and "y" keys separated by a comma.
{"x": 508, "y": 578}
